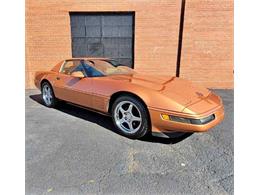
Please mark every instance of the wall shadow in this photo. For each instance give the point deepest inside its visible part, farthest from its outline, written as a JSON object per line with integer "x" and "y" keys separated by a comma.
{"x": 106, "y": 121}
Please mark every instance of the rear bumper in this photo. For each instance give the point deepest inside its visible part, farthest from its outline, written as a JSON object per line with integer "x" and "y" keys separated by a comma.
{"x": 160, "y": 125}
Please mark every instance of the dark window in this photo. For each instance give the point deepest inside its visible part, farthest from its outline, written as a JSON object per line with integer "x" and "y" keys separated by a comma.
{"x": 103, "y": 35}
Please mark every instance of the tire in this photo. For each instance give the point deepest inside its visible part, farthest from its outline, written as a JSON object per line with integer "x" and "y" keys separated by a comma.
{"x": 48, "y": 96}
{"x": 130, "y": 117}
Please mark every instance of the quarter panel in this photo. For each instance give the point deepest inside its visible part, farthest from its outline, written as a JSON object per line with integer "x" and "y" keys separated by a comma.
{"x": 40, "y": 76}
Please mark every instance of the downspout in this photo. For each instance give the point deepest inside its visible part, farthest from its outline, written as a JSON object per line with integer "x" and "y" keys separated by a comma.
{"x": 178, "y": 63}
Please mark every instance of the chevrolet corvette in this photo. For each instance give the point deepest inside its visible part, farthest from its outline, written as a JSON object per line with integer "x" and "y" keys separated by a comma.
{"x": 138, "y": 104}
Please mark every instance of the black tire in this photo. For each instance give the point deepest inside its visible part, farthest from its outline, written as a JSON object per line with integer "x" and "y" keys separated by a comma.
{"x": 143, "y": 127}
{"x": 53, "y": 101}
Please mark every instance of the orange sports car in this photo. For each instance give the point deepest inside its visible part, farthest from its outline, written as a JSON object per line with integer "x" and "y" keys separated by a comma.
{"x": 138, "y": 103}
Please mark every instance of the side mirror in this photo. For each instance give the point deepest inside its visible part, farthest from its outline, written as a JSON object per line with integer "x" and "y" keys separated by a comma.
{"x": 78, "y": 74}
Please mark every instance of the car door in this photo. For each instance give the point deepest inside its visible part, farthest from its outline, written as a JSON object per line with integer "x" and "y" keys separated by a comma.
{"x": 72, "y": 89}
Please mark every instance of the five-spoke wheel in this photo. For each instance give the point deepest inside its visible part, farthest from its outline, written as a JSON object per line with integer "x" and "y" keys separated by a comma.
{"x": 130, "y": 116}
{"x": 48, "y": 95}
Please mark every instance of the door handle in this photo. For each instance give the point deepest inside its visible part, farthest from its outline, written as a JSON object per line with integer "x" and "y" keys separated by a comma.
{"x": 58, "y": 78}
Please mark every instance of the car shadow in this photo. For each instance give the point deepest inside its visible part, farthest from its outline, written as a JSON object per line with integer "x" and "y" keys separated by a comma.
{"x": 106, "y": 122}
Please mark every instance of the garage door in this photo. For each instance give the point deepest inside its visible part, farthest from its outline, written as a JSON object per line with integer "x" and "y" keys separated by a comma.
{"x": 103, "y": 35}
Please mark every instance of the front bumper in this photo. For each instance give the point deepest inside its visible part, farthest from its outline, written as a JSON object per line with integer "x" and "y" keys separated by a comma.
{"x": 160, "y": 125}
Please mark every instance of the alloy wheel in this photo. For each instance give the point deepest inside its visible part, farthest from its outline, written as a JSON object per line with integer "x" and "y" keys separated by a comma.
{"x": 47, "y": 95}
{"x": 128, "y": 117}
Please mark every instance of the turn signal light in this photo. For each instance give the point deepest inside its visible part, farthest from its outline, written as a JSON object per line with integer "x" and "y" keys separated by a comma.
{"x": 165, "y": 117}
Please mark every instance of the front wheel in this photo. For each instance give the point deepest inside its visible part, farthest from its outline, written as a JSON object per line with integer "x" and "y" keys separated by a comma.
{"x": 130, "y": 117}
{"x": 48, "y": 96}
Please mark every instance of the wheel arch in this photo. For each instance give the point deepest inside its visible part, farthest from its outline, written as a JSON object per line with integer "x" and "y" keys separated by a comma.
{"x": 45, "y": 80}
{"x": 127, "y": 93}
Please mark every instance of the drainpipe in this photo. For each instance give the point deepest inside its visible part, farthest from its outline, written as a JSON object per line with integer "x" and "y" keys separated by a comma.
{"x": 178, "y": 63}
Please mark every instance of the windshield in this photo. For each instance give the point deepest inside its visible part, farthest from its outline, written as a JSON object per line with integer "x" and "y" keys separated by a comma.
{"x": 108, "y": 67}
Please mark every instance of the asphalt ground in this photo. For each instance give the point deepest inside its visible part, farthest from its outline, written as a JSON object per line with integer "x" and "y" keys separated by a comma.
{"x": 70, "y": 150}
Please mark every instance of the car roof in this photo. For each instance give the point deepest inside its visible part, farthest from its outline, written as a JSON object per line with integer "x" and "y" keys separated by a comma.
{"x": 88, "y": 58}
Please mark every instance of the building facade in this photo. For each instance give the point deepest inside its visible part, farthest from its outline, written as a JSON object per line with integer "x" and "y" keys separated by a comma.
{"x": 143, "y": 34}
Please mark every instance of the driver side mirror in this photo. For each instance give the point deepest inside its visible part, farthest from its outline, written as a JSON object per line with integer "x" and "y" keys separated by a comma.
{"x": 77, "y": 74}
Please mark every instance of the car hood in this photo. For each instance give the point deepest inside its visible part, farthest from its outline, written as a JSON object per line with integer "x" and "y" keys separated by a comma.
{"x": 182, "y": 91}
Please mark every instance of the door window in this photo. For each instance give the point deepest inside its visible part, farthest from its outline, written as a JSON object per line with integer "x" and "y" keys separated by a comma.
{"x": 69, "y": 66}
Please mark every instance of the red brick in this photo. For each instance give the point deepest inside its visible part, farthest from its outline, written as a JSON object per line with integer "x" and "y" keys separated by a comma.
{"x": 207, "y": 55}
{"x": 207, "y": 52}
{"x": 48, "y": 37}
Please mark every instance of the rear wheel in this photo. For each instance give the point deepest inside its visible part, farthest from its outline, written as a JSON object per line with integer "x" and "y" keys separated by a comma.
{"x": 48, "y": 96}
{"x": 130, "y": 117}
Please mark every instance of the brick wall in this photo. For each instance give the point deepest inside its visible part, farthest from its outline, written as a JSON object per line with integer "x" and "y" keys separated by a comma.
{"x": 207, "y": 55}
{"x": 207, "y": 50}
{"x": 48, "y": 36}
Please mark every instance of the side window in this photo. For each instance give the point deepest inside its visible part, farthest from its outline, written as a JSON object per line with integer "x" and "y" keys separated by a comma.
{"x": 68, "y": 67}
{"x": 75, "y": 65}
{"x": 78, "y": 68}
{"x": 92, "y": 72}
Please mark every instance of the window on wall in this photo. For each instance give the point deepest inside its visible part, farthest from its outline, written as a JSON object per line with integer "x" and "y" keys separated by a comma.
{"x": 103, "y": 35}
